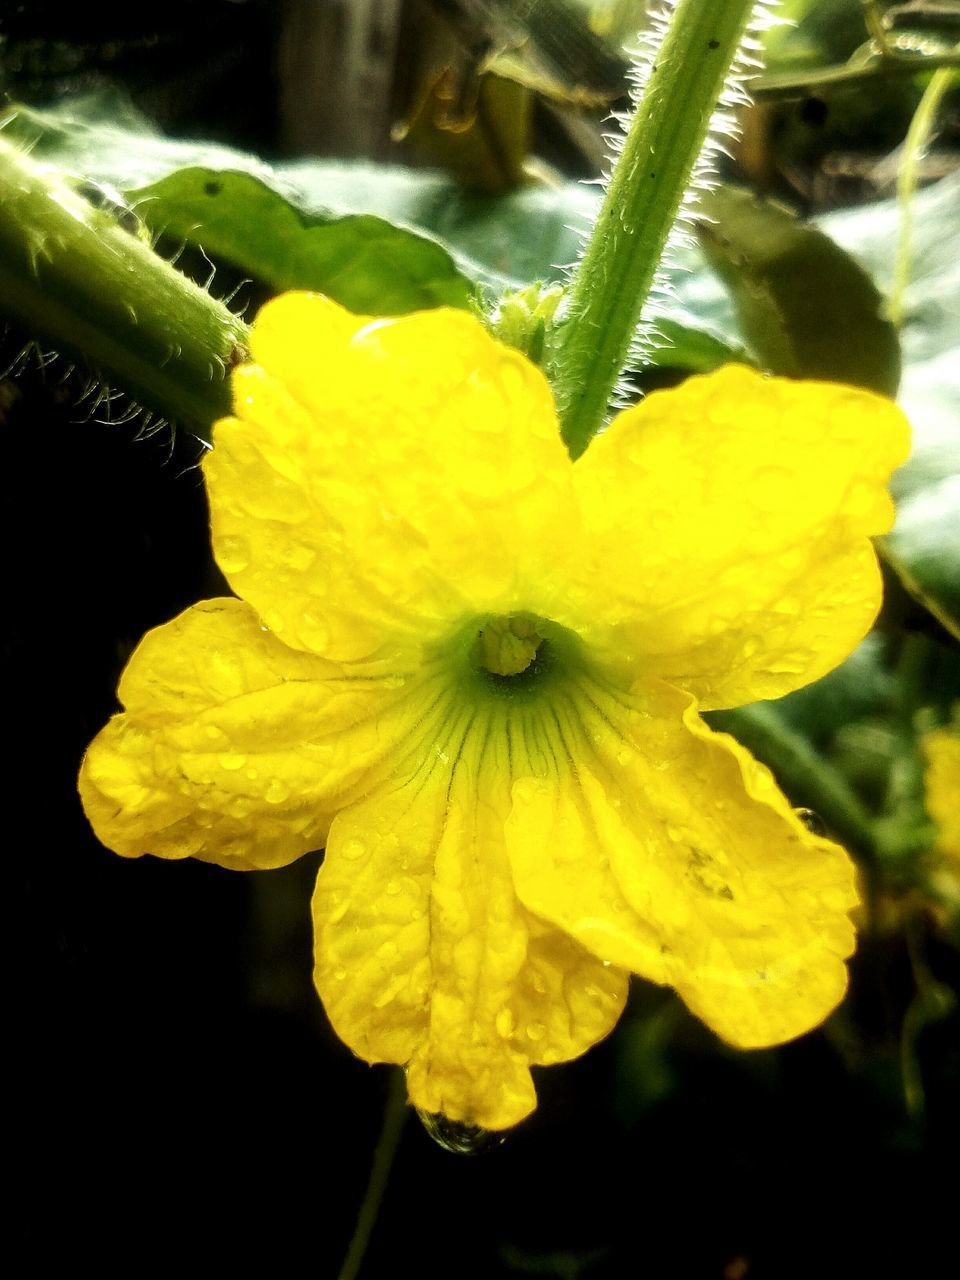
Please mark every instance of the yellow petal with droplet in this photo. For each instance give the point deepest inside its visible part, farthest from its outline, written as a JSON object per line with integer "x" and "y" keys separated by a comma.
{"x": 667, "y": 849}
{"x": 383, "y": 480}
{"x": 942, "y": 786}
{"x": 727, "y": 530}
{"x": 233, "y": 748}
{"x": 424, "y": 956}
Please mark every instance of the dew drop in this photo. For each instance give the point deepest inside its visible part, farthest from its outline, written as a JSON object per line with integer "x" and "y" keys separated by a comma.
{"x": 313, "y": 630}
{"x": 392, "y": 888}
{"x": 536, "y": 1031}
{"x": 213, "y": 732}
{"x": 462, "y": 1139}
{"x": 273, "y": 620}
{"x": 339, "y": 975}
{"x": 504, "y": 1023}
{"x": 276, "y": 792}
{"x": 812, "y": 821}
{"x": 353, "y": 848}
{"x": 233, "y": 555}
{"x": 232, "y": 760}
{"x": 299, "y": 556}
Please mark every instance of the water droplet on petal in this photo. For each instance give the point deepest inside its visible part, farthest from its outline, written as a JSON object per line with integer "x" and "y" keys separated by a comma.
{"x": 392, "y": 888}
{"x": 276, "y": 792}
{"x": 812, "y": 821}
{"x": 353, "y": 848}
{"x": 536, "y": 1031}
{"x": 232, "y": 760}
{"x": 299, "y": 556}
{"x": 313, "y": 630}
{"x": 462, "y": 1139}
{"x": 273, "y": 620}
{"x": 233, "y": 555}
{"x": 504, "y": 1023}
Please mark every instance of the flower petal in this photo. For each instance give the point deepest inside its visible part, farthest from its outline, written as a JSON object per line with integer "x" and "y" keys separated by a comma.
{"x": 384, "y": 478}
{"x": 942, "y": 787}
{"x": 728, "y": 525}
{"x": 425, "y": 957}
{"x": 667, "y": 849}
{"x": 233, "y": 748}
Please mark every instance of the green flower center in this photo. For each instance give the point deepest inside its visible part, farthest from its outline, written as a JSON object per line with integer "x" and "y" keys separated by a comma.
{"x": 512, "y": 657}
{"x": 509, "y": 645}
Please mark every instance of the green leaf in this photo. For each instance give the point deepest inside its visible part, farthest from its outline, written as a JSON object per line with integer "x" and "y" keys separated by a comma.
{"x": 924, "y": 547}
{"x": 680, "y": 344}
{"x": 356, "y": 230}
{"x": 804, "y": 305}
{"x": 243, "y": 212}
{"x": 363, "y": 262}
{"x": 526, "y": 236}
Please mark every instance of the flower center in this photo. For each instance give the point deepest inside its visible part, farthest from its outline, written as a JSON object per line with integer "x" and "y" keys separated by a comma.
{"x": 509, "y": 645}
{"x": 512, "y": 656}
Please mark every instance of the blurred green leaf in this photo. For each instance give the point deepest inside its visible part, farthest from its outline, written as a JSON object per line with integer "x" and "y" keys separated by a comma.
{"x": 680, "y": 344}
{"x": 924, "y": 547}
{"x": 859, "y": 687}
{"x": 804, "y": 305}
{"x": 363, "y": 262}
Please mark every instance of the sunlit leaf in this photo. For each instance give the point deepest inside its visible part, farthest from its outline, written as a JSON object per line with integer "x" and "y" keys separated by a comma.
{"x": 361, "y": 261}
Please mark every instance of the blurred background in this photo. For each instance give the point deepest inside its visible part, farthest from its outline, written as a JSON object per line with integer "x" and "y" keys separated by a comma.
{"x": 179, "y": 1097}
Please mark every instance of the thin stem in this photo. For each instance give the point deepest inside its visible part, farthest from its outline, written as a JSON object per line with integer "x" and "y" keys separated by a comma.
{"x": 613, "y": 279}
{"x": 915, "y": 144}
{"x": 394, "y": 1118}
{"x": 873, "y": 19}
{"x": 798, "y": 84}
{"x": 70, "y": 274}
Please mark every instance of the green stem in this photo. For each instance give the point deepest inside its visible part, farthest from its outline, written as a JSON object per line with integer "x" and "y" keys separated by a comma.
{"x": 873, "y": 20}
{"x": 918, "y": 136}
{"x": 70, "y": 274}
{"x": 394, "y": 1117}
{"x": 801, "y": 772}
{"x": 798, "y": 84}
{"x": 612, "y": 281}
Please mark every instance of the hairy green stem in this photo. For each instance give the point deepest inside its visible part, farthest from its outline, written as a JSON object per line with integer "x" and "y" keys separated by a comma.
{"x": 613, "y": 279}
{"x": 71, "y": 275}
{"x": 801, "y": 772}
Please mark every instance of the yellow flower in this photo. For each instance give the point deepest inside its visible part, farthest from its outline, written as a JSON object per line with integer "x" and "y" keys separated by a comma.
{"x": 472, "y": 669}
{"x": 942, "y": 788}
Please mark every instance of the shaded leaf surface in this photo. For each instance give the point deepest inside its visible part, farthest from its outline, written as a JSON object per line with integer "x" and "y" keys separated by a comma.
{"x": 804, "y": 305}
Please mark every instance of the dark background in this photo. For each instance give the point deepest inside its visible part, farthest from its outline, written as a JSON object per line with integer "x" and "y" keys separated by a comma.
{"x": 177, "y": 1096}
